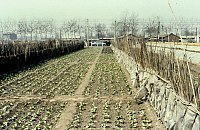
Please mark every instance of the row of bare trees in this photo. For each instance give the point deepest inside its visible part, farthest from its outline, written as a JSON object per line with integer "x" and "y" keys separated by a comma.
{"x": 126, "y": 24}
{"x": 154, "y": 26}
{"x": 29, "y": 30}
{"x": 48, "y": 29}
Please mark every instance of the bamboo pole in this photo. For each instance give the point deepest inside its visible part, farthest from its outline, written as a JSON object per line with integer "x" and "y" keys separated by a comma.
{"x": 192, "y": 84}
{"x": 181, "y": 84}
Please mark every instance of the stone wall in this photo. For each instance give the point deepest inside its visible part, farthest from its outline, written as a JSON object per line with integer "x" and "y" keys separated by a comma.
{"x": 174, "y": 112}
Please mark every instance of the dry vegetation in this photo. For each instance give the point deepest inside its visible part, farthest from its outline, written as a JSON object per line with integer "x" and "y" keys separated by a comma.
{"x": 182, "y": 74}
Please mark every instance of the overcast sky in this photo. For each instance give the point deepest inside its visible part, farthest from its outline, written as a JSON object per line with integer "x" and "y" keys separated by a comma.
{"x": 97, "y": 9}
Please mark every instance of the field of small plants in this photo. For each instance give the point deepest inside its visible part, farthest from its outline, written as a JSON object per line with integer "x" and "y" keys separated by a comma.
{"x": 109, "y": 114}
{"x": 58, "y": 76}
{"x": 29, "y": 115}
{"x": 108, "y": 78}
{"x": 39, "y": 97}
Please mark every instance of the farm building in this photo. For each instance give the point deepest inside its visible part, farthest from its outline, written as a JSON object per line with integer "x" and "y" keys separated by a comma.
{"x": 129, "y": 38}
{"x": 169, "y": 38}
{"x": 164, "y": 38}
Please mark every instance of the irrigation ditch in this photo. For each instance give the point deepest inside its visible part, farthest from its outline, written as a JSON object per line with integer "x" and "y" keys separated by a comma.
{"x": 173, "y": 89}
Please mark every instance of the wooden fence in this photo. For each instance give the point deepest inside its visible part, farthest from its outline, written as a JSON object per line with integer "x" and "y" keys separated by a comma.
{"x": 15, "y": 55}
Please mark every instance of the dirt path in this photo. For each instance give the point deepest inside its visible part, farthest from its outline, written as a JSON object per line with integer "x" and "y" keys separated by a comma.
{"x": 86, "y": 80}
{"x": 67, "y": 115}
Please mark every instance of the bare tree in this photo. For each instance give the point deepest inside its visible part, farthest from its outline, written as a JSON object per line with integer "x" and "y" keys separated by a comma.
{"x": 31, "y": 28}
{"x": 44, "y": 27}
{"x": 73, "y": 27}
{"x": 65, "y": 29}
{"x": 187, "y": 32}
{"x": 80, "y": 29}
{"x": 170, "y": 26}
{"x": 8, "y": 26}
{"x": 133, "y": 23}
{"x": 99, "y": 28}
{"x": 124, "y": 24}
{"x": 23, "y": 29}
{"x": 127, "y": 24}
{"x": 151, "y": 27}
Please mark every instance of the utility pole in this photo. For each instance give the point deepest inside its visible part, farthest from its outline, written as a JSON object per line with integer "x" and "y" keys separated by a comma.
{"x": 127, "y": 31}
{"x": 115, "y": 31}
{"x": 167, "y": 34}
{"x": 162, "y": 33}
{"x": 197, "y": 35}
{"x": 158, "y": 31}
{"x": 87, "y": 33}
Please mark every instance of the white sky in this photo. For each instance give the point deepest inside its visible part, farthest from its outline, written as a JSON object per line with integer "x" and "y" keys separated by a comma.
{"x": 96, "y": 9}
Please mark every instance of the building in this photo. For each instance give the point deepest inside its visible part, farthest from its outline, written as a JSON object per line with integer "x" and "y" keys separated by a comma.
{"x": 9, "y": 36}
{"x": 164, "y": 38}
{"x": 169, "y": 38}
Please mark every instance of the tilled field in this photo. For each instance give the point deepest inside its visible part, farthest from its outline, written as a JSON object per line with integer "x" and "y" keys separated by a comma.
{"x": 107, "y": 114}
{"x": 87, "y": 89}
{"x": 108, "y": 79}
{"x": 30, "y": 114}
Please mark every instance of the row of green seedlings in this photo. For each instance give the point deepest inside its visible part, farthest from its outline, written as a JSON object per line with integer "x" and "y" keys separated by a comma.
{"x": 107, "y": 50}
{"x": 146, "y": 123}
{"x": 119, "y": 119}
{"x": 123, "y": 85}
{"x": 13, "y": 77}
{"x": 92, "y": 118}
{"x": 36, "y": 77}
{"x": 66, "y": 83}
{"x": 110, "y": 77}
{"x": 28, "y": 82}
{"x": 77, "y": 119}
{"x": 32, "y": 81}
{"x": 76, "y": 123}
{"x": 32, "y": 114}
{"x": 107, "y": 58}
{"x": 106, "y": 122}
{"x": 94, "y": 83}
{"x": 132, "y": 116}
{"x": 117, "y": 79}
{"x": 90, "y": 55}
{"x": 106, "y": 116}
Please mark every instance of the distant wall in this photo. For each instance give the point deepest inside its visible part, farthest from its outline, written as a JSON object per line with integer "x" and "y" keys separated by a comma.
{"x": 174, "y": 112}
